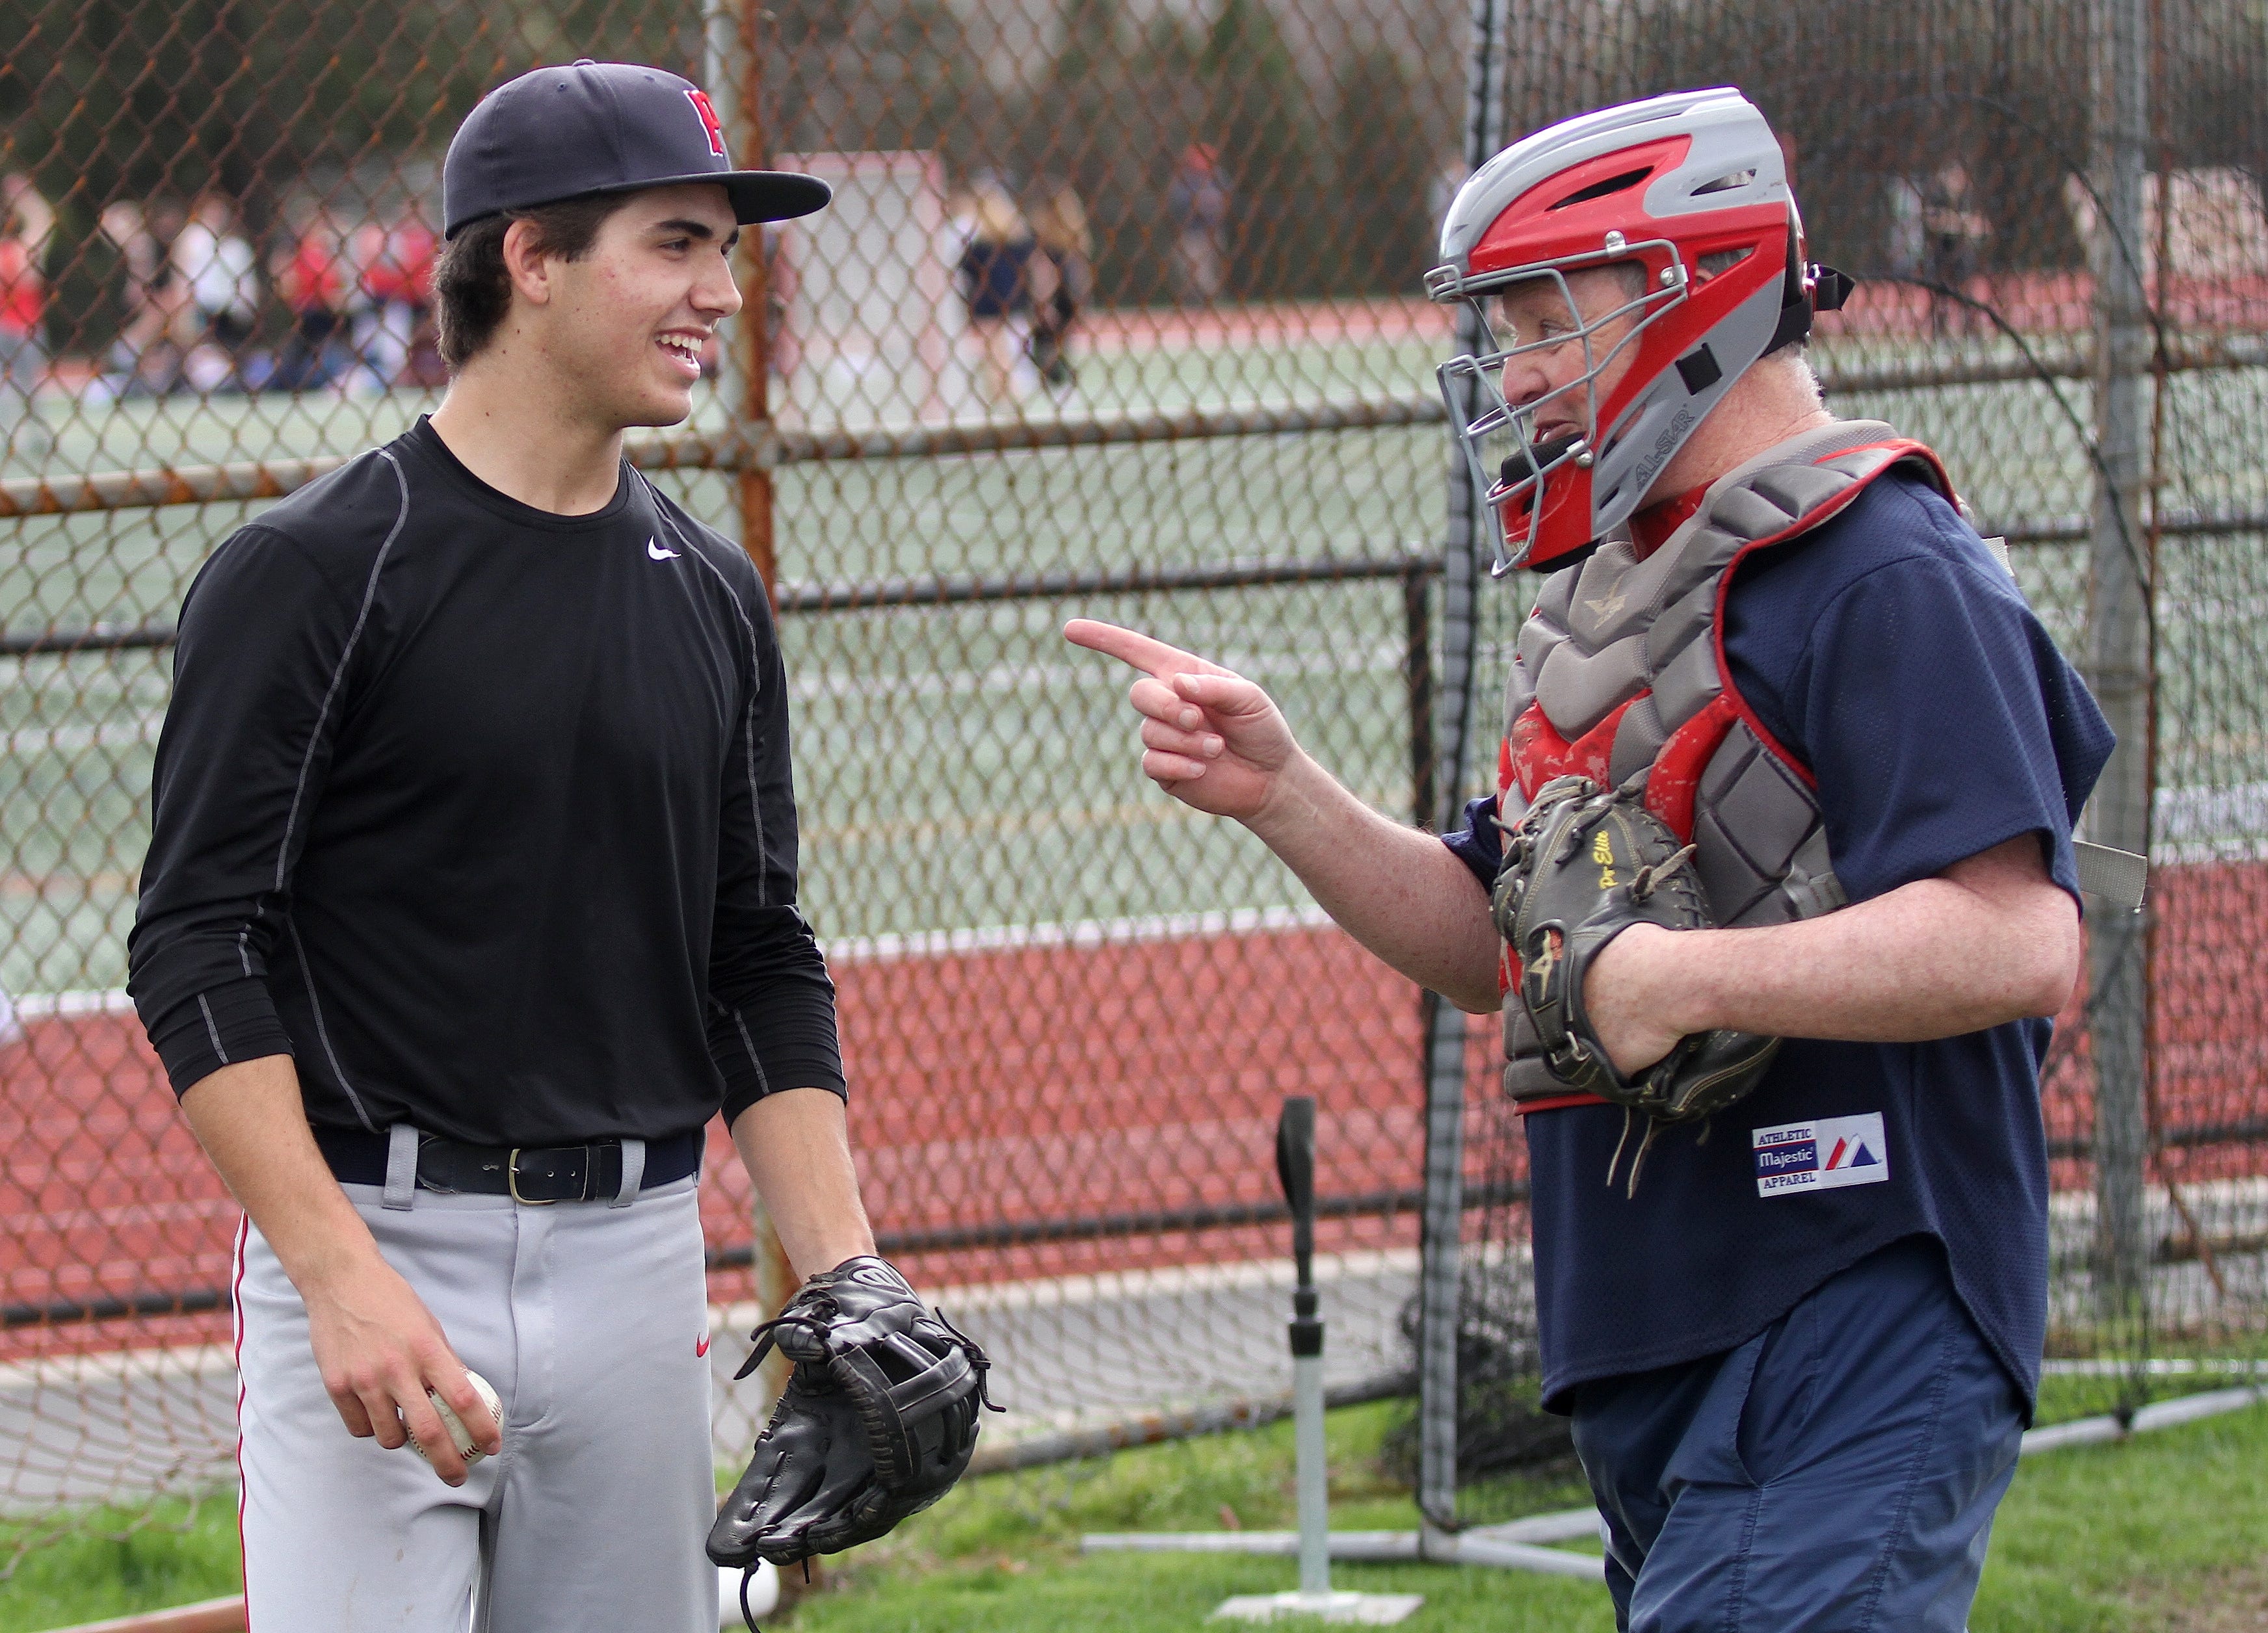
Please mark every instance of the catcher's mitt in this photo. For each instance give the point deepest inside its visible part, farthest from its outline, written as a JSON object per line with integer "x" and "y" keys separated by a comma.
{"x": 878, "y": 1420}
{"x": 1582, "y": 864}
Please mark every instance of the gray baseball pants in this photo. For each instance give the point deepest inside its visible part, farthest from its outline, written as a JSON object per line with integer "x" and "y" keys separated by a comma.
{"x": 590, "y": 1319}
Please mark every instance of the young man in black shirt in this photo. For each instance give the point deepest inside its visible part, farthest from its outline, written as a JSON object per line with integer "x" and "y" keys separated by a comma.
{"x": 472, "y": 889}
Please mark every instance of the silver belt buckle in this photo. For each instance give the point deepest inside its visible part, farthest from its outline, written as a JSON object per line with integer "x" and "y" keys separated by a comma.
{"x": 512, "y": 1183}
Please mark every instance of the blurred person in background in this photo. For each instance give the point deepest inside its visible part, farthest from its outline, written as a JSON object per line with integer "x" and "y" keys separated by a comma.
{"x": 958, "y": 228}
{"x": 1001, "y": 275}
{"x": 219, "y": 271}
{"x": 146, "y": 298}
{"x": 27, "y": 223}
{"x": 311, "y": 280}
{"x": 1954, "y": 235}
{"x": 394, "y": 280}
{"x": 1065, "y": 239}
{"x": 1198, "y": 201}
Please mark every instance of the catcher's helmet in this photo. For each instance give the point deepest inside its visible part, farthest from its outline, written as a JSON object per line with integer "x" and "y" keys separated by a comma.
{"x": 1687, "y": 195}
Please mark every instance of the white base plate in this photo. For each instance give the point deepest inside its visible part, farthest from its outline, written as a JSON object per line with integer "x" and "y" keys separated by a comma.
{"x": 1369, "y": 1609}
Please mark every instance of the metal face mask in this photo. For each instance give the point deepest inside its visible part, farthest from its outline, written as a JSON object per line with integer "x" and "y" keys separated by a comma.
{"x": 1551, "y": 335}
{"x": 1684, "y": 200}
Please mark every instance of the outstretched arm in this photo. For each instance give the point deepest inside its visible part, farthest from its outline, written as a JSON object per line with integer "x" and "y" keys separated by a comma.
{"x": 1216, "y": 741}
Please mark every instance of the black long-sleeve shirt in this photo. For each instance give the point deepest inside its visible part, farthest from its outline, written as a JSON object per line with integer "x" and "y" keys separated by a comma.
{"x": 483, "y": 814}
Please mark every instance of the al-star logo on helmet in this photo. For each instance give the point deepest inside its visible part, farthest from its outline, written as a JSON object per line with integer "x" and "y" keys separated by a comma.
{"x": 710, "y": 124}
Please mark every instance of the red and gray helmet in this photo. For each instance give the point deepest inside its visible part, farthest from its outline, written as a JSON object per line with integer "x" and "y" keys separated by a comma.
{"x": 1687, "y": 195}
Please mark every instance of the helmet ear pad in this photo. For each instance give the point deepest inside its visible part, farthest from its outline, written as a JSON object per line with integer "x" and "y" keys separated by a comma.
{"x": 1674, "y": 383}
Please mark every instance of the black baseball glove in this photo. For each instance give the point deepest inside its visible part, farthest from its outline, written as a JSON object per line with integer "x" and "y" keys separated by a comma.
{"x": 878, "y": 1420}
{"x": 1582, "y": 864}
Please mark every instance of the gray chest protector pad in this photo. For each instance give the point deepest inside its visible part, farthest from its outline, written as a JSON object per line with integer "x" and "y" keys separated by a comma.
{"x": 1614, "y": 630}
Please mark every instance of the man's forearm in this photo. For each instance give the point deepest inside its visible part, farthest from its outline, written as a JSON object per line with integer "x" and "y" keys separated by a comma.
{"x": 1401, "y": 893}
{"x": 795, "y": 1146}
{"x": 1990, "y": 940}
{"x": 251, "y": 1122}
{"x": 379, "y": 1349}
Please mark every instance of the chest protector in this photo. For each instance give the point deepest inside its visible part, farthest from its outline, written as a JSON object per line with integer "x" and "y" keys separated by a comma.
{"x": 1620, "y": 672}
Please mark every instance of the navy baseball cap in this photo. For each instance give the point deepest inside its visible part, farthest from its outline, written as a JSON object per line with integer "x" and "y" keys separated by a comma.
{"x": 561, "y": 133}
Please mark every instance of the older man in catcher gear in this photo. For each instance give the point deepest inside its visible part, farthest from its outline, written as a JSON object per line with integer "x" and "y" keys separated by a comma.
{"x": 471, "y": 899}
{"x": 1784, "y": 889}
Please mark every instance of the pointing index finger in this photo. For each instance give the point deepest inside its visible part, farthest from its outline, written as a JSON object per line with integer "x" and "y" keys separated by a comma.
{"x": 1152, "y": 656}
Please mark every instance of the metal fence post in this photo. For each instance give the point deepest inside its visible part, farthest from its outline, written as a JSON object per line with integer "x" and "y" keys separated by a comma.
{"x": 733, "y": 58}
{"x": 1444, "y": 1061}
{"x": 723, "y": 56}
{"x": 1417, "y": 677}
{"x": 756, "y": 481}
{"x": 2118, "y": 647}
{"x": 733, "y": 69}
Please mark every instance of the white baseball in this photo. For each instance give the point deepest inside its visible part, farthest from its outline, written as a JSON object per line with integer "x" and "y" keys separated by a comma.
{"x": 455, "y": 1426}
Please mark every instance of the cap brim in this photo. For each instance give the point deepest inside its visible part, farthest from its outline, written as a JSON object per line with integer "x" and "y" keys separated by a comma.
{"x": 756, "y": 194}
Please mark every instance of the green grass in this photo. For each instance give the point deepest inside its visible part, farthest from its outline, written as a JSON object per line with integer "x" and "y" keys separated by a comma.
{"x": 1016, "y": 817}
{"x": 2115, "y": 1539}
{"x": 2112, "y": 1537}
{"x": 2083, "y": 1541}
{"x": 1128, "y": 1593}
{"x": 120, "y": 1562}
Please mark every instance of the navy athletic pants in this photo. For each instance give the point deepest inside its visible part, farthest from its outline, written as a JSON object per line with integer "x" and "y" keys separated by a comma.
{"x": 1835, "y": 1473}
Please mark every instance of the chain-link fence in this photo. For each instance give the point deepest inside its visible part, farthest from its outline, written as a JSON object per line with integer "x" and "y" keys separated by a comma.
{"x": 1199, "y": 399}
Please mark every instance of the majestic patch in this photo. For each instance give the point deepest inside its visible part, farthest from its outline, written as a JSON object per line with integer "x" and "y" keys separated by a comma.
{"x": 1821, "y": 1154}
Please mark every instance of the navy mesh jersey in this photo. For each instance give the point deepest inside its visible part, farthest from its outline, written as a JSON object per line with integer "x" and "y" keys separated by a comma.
{"x": 1891, "y": 655}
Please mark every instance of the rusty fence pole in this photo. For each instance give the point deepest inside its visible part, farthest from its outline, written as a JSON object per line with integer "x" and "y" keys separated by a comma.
{"x": 755, "y": 475}
{"x": 1442, "y": 1066}
{"x": 2119, "y": 661}
{"x": 733, "y": 67}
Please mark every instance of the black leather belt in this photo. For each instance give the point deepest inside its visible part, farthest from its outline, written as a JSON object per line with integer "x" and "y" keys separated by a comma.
{"x": 528, "y": 1173}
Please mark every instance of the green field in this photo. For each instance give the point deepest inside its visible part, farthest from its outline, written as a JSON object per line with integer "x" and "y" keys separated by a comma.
{"x": 2159, "y": 1534}
{"x": 970, "y": 735}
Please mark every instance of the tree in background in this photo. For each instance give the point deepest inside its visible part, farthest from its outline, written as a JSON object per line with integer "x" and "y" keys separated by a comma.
{"x": 1258, "y": 112}
{"x": 1879, "y": 101}
{"x": 849, "y": 76}
{"x": 1383, "y": 157}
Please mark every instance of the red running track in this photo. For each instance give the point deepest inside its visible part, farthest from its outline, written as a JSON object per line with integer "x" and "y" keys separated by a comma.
{"x": 1004, "y": 1089}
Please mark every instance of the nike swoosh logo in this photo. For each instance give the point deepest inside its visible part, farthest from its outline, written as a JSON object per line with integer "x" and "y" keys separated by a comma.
{"x": 654, "y": 549}
{"x": 700, "y": 1349}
